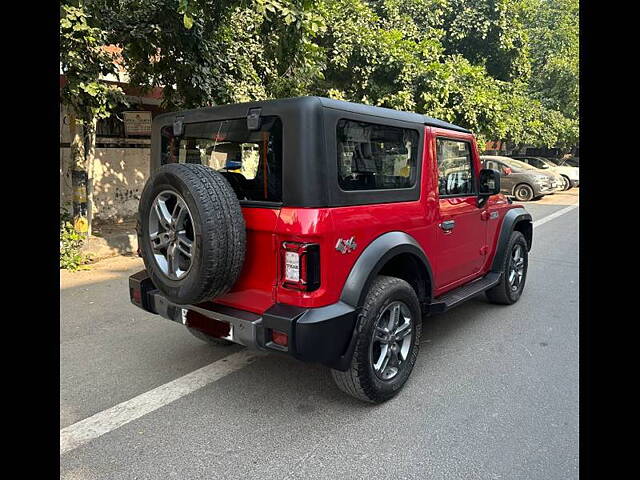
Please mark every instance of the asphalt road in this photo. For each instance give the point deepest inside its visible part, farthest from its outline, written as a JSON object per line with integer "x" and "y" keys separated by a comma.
{"x": 493, "y": 395}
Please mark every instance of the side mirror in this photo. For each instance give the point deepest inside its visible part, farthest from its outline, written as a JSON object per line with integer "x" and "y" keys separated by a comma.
{"x": 489, "y": 182}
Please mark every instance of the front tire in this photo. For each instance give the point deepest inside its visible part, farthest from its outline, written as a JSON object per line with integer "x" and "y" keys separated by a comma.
{"x": 514, "y": 272}
{"x": 388, "y": 341}
{"x": 523, "y": 192}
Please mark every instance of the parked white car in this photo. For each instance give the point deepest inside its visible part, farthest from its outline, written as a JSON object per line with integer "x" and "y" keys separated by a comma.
{"x": 570, "y": 174}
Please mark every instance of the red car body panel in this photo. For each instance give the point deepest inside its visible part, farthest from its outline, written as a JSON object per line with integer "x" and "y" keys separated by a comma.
{"x": 255, "y": 289}
{"x": 456, "y": 258}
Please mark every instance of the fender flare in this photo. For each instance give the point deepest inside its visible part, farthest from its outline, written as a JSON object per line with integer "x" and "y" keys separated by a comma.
{"x": 509, "y": 222}
{"x": 373, "y": 258}
{"x": 364, "y": 271}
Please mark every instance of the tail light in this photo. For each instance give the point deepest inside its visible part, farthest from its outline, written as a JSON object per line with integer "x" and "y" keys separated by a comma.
{"x": 135, "y": 293}
{"x": 280, "y": 338}
{"x": 301, "y": 266}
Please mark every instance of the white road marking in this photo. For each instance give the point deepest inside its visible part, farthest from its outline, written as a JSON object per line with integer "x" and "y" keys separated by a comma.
{"x": 548, "y": 218}
{"x": 84, "y": 431}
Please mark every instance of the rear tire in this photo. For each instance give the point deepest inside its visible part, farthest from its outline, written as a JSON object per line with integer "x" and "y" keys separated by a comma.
{"x": 514, "y": 272}
{"x": 369, "y": 378}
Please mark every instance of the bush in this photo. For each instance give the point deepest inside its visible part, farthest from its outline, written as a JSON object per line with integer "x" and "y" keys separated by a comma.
{"x": 70, "y": 242}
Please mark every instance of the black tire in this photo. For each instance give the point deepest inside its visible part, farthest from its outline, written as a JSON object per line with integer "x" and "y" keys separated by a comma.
{"x": 567, "y": 183}
{"x": 218, "y": 230}
{"x": 503, "y": 293}
{"x": 361, "y": 380}
{"x": 208, "y": 338}
{"x": 523, "y": 192}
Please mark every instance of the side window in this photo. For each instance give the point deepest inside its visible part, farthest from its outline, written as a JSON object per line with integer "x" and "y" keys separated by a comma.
{"x": 375, "y": 157}
{"x": 501, "y": 167}
{"x": 455, "y": 167}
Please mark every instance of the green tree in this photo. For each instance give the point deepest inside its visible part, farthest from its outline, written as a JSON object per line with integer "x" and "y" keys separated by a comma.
{"x": 471, "y": 62}
{"x": 83, "y": 61}
{"x": 208, "y": 52}
{"x": 554, "y": 38}
{"x": 491, "y": 33}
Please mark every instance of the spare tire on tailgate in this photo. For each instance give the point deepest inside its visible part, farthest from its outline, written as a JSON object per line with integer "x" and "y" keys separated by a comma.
{"x": 191, "y": 232}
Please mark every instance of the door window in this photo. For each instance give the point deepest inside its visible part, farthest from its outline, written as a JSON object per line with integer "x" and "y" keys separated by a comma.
{"x": 455, "y": 168}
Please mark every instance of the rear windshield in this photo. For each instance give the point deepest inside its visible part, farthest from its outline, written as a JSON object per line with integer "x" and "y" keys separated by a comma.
{"x": 250, "y": 160}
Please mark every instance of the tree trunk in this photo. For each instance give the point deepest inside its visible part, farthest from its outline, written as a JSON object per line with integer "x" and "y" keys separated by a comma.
{"x": 78, "y": 175}
{"x": 90, "y": 153}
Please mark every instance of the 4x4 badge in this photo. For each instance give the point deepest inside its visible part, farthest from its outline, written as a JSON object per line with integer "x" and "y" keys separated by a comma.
{"x": 346, "y": 246}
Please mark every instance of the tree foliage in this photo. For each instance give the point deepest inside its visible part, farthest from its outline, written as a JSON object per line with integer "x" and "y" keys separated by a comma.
{"x": 209, "y": 52}
{"x": 554, "y": 41}
{"x": 83, "y": 60}
{"x": 507, "y": 69}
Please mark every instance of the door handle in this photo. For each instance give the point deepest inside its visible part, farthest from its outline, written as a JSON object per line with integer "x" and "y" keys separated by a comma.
{"x": 447, "y": 225}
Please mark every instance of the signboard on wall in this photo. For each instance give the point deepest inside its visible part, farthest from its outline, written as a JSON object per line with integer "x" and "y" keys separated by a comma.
{"x": 137, "y": 123}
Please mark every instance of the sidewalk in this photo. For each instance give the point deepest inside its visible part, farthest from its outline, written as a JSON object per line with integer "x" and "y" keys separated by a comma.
{"x": 109, "y": 240}
{"x": 570, "y": 197}
{"x": 117, "y": 267}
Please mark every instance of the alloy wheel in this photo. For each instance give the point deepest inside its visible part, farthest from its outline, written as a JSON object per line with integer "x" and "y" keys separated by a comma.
{"x": 392, "y": 336}
{"x": 171, "y": 234}
{"x": 524, "y": 193}
{"x": 516, "y": 267}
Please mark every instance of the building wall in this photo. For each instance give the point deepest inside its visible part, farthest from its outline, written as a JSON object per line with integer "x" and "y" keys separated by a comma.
{"x": 119, "y": 175}
{"x": 120, "y": 170}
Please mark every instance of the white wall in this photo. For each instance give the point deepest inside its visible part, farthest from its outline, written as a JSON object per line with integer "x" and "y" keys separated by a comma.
{"x": 119, "y": 175}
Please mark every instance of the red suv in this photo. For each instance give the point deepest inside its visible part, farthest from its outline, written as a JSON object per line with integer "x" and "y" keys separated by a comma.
{"x": 324, "y": 230}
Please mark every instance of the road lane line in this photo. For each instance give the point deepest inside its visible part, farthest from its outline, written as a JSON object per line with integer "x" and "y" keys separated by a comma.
{"x": 548, "y": 218}
{"x": 84, "y": 431}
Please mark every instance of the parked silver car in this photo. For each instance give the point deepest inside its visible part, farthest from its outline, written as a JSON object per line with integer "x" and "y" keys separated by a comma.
{"x": 520, "y": 180}
{"x": 569, "y": 173}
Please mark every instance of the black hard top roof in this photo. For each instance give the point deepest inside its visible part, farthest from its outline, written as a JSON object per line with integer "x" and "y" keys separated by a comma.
{"x": 388, "y": 113}
{"x": 312, "y": 102}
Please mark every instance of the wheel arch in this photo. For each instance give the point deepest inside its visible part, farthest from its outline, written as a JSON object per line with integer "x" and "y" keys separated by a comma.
{"x": 391, "y": 253}
{"x": 516, "y": 219}
{"x": 396, "y": 254}
{"x": 569, "y": 185}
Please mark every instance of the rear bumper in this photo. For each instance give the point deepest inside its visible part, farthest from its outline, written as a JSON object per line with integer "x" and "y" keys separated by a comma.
{"x": 323, "y": 335}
